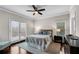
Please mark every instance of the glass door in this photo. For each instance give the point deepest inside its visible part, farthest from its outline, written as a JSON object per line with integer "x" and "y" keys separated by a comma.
{"x": 14, "y": 30}
{"x": 17, "y": 31}
{"x": 23, "y": 31}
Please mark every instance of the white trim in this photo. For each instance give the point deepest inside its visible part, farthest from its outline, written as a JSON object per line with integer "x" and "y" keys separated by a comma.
{"x": 32, "y": 18}
{"x": 55, "y": 15}
{"x": 12, "y": 12}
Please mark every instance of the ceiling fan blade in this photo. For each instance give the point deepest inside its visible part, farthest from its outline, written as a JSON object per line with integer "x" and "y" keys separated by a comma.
{"x": 34, "y": 7}
{"x": 39, "y": 13}
{"x": 41, "y": 10}
{"x": 30, "y": 10}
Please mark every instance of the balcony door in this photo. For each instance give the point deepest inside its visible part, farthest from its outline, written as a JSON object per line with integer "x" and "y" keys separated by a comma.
{"x": 23, "y": 31}
{"x": 17, "y": 31}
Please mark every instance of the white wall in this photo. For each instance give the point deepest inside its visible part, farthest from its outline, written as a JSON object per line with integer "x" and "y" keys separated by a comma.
{"x": 4, "y": 24}
{"x": 50, "y": 23}
{"x": 74, "y": 13}
{"x": 77, "y": 20}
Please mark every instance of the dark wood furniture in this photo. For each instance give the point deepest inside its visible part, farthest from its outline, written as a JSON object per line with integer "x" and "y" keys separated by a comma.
{"x": 71, "y": 45}
{"x": 5, "y": 51}
{"x": 58, "y": 39}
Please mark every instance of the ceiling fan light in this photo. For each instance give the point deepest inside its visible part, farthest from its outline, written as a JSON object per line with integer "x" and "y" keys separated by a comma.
{"x": 33, "y": 13}
{"x": 36, "y": 12}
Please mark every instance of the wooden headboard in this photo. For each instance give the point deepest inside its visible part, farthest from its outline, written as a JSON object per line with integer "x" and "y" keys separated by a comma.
{"x": 48, "y": 31}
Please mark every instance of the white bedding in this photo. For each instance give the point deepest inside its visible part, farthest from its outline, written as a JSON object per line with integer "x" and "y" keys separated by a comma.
{"x": 4, "y": 44}
{"x": 37, "y": 39}
{"x": 39, "y": 36}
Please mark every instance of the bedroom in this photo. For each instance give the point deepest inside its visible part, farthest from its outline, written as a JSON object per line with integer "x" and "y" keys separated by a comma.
{"x": 18, "y": 27}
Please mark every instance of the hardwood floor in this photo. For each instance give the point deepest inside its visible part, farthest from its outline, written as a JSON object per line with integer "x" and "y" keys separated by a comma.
{"x": 17, "y": 50}
{"x": 54, "y": 48}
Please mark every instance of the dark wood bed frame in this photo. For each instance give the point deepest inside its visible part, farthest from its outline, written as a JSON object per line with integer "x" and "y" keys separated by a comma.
{"x": 48, "y": 30}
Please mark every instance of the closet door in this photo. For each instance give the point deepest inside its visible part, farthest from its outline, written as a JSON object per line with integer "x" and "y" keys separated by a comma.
{"x": 23, "y": 31}
{"x": 14, "y": 28}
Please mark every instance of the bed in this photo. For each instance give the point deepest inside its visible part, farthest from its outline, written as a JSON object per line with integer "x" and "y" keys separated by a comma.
{"x": 39, "y": 41}
{"x": 4, "y": 44}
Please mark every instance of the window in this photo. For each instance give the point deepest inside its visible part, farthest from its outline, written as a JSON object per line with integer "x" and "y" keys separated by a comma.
{"x": 17, "y": 30}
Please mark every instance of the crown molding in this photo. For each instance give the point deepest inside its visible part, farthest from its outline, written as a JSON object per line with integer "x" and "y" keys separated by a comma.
{"x": 54, "y": 15}
{"x": 18, "y": 14}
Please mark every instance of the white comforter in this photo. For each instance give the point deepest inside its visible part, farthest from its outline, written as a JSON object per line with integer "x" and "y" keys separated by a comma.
{"x": 4, "y": 44}
{"x": 45, "y": 40}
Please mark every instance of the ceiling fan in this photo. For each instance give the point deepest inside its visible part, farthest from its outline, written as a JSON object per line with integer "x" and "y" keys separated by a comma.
{"x": 36, "y": 10}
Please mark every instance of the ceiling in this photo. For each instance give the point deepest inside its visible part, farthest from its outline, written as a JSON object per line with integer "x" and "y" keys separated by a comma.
{"x": 51, "y": 10}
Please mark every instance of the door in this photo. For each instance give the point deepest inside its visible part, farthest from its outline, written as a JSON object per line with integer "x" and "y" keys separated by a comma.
{"x": 14, "y": 30}
{"x": 23, "y": 31}
{"x": 17, "y": 31}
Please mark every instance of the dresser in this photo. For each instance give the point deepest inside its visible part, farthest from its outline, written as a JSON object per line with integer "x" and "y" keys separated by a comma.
{"x": 71, "y": 45}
